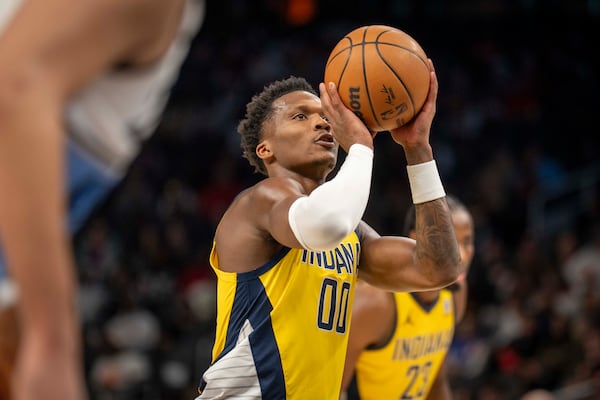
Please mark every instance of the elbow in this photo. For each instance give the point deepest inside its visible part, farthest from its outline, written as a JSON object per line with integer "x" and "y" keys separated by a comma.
{"x": 442, "y": 273}
{"x": 449, "y": 273}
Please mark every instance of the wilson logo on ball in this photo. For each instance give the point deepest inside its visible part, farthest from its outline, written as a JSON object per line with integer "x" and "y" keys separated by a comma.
{"x": 354, "y": 96}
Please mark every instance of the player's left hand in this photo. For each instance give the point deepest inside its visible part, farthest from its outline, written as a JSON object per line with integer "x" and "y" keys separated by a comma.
{"x": 416, "y": 132}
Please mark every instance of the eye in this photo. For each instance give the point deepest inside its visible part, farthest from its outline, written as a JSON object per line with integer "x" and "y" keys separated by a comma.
{"x": 325, "y": 118}
{"x": 300, "y": 117}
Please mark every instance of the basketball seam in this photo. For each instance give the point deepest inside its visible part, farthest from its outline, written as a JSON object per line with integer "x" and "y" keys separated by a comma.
{"x": 334, "y": 56}
{"x": 408, "y": 49}
{"x": 339, "y": 82}
{"x": 364, "y": 65}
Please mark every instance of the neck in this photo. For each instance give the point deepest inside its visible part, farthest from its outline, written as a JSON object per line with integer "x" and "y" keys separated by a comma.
{"x": 309, "y": 179}
{"x": 429, "y": 296}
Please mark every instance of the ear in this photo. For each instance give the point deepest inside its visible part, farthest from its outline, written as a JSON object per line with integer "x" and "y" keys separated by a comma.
{"x": 263, "y": 150}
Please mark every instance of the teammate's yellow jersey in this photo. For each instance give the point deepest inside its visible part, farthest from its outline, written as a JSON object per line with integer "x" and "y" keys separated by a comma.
{"x": 282, "y": 329}
{"x": 407, "y": 365}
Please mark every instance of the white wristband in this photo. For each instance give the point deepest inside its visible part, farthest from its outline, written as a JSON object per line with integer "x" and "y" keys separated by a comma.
{"x": 425, "y": 182}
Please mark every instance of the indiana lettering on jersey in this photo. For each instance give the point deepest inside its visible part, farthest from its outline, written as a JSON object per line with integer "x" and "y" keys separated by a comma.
{"x": 414, "y": 347}
{"x": 342, "y": 259}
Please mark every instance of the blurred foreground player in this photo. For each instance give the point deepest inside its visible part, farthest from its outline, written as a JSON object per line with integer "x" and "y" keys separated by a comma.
{"x": 82, "y": 85}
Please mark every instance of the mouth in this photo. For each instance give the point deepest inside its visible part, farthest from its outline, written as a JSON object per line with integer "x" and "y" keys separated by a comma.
{"x": 326, "y": 140}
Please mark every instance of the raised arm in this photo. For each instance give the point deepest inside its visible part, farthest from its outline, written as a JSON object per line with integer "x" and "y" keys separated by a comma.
{"x": 321, "y": 220}
{"x": 433, "y": 260}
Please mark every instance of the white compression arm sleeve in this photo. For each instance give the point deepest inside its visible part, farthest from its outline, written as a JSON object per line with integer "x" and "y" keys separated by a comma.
{"x": 322, "y": 219}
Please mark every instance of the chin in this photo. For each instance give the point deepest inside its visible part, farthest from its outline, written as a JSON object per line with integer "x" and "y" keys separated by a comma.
{"x": 325, "y": 163}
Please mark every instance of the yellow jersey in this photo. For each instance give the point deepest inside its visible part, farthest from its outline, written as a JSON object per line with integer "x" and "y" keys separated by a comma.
{"x": 282, "y": 329}
{"x": 405, "y": 368}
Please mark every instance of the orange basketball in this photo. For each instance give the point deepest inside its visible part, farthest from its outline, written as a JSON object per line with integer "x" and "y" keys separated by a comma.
{"x": 381, "y": 74}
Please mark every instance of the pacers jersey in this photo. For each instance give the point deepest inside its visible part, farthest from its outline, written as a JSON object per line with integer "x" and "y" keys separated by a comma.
{"x": 282, "y": 329}
{"x": 406, "y": 367}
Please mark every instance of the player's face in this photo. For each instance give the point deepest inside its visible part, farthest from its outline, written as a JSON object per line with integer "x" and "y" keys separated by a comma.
{"x": 298, "y": 133}
{"x": 463, "y": 227}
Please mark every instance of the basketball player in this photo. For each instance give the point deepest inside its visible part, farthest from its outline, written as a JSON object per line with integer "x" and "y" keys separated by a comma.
{"x": 82, "y": 85}
{"x": 288, "y": 249}
{"x": 398, "y": 341}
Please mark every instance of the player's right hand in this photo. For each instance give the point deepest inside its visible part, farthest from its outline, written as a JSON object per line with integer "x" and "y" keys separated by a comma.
{"x": 346, "y": 127}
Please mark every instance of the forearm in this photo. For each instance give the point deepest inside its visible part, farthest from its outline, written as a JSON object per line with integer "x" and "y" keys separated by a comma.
{"x": 34, "y": 238}
{"x": 436, "y": 250}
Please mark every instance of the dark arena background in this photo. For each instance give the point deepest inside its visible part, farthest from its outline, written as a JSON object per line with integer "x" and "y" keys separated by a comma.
{"x": 516, "y": 137}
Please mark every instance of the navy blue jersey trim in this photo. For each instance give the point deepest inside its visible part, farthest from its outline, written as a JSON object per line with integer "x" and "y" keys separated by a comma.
{"x": 245, "y": 276}
{"x": 252, "y": 304}
{"x": 426, "y": 307}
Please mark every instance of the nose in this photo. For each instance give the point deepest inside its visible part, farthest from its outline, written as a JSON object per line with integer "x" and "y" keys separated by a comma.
{"x": 322, "y": 123}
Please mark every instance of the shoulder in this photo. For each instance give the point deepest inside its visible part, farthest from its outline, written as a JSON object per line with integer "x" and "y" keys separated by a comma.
{"x": 256, "y": 201}
{"x": 273, "y": 189}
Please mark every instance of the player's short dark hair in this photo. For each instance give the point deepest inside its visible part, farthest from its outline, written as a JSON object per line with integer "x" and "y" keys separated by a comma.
{"x": 259, "y": 110}
{"x": 410, "y": 218}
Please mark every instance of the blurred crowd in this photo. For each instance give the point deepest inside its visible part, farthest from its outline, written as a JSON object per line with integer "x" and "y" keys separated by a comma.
{"x": 515, "y": 138}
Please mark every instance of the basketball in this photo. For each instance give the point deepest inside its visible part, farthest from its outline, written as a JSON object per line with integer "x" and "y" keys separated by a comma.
{"x": 381, "y": 74}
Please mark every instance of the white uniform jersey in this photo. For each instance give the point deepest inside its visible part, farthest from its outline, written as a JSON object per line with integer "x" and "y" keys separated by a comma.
{"x": 114, "y": 114}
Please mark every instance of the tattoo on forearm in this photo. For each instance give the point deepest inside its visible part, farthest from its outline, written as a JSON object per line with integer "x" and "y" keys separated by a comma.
{"x": 436, "y": 239}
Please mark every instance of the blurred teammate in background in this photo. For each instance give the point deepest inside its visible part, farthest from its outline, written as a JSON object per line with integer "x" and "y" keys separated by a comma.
{"x": 82, "y": 85}
{"x": 288, "y": 250}
{"x": 398, "y": 341}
